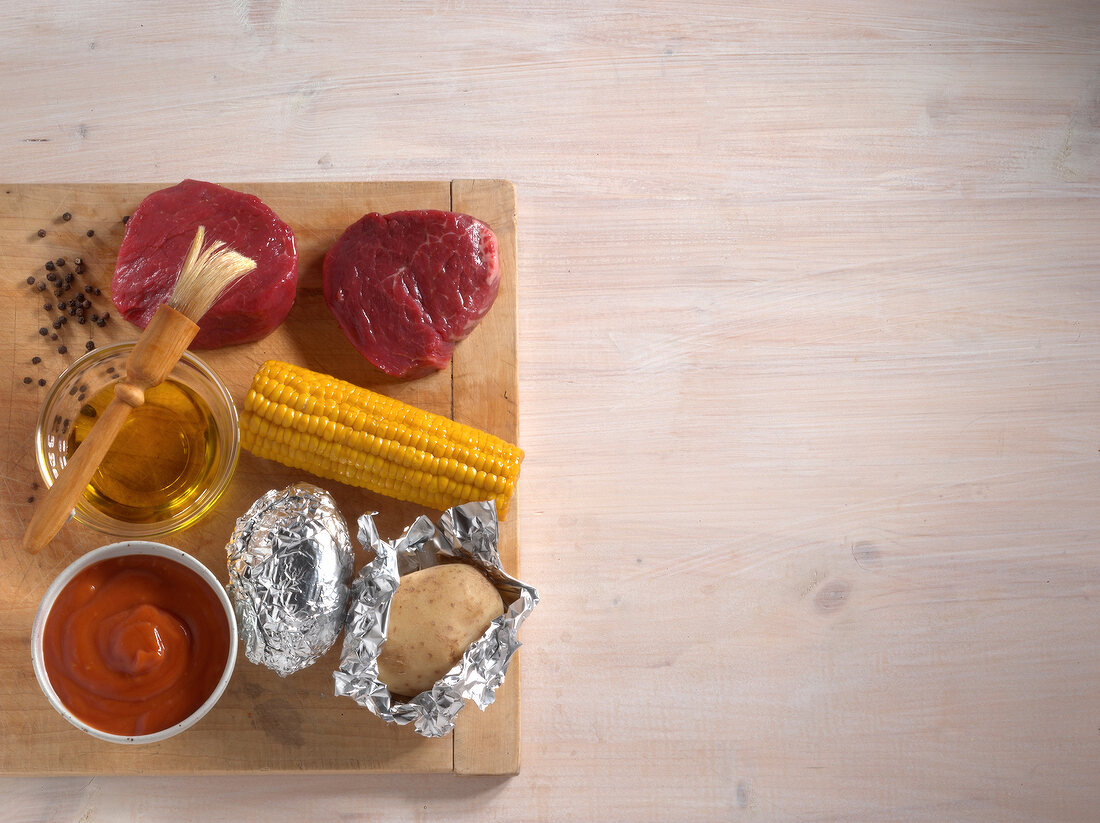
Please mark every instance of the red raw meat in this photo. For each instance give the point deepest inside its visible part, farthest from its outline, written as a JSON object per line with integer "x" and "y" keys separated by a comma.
{"x": 158, "y": 236}
{"x": 406, "y": 287}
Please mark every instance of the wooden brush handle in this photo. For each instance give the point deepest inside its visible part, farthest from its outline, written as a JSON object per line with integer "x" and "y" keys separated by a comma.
{"x": 157, "y": 351}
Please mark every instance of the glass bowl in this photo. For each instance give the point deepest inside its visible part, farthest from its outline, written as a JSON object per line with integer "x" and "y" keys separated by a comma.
{"x": 167, "y": 468}
{"x": 129, "y": 549}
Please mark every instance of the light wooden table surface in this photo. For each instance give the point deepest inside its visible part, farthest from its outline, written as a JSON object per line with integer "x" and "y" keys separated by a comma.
{"x": 809, "y": 349}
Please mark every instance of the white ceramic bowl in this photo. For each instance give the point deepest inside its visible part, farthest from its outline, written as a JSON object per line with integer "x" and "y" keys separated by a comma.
{"x": 130, "y": 547}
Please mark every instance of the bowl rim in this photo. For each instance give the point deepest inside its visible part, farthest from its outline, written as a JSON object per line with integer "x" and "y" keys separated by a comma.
{"x": 124, "y": 549}
{"x": 136, "y": 531}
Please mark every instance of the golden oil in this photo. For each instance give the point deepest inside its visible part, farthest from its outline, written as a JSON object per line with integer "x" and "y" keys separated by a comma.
{"x": 165, "y": 456}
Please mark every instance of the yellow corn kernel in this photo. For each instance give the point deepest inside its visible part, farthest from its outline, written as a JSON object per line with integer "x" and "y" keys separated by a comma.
{"x": 343, "y": 432}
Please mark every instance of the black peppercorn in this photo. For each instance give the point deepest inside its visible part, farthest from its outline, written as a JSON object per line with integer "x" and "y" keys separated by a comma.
{"x": 60, "y": 261}
{"x": 88, "y": 289}
{"x": 41, "y": 381}
{"x": 43, "y": 331}
{"x": 26, "y": 380}
{"x": 47, "y": 306}
{"x": 41, "y": 232}
{"x": 79, "y": 269}
{"x": 82, "y": 320}
{"x": 36, "y": 359}
{"x": 125, "y": 220}
{"x": 41, "y": 286}
{"x": 51, "y": 277}
{"x": 50, "y": 266}
{"x": 66, "y": 217}
{"x": 61, "y": 350}
{"x": 30, "y": 281}
{"x": 53, "y": 336}
{"x": 91, "y": 233}
{"x": 30, "y": 499}
{"x": 89, "y": 345}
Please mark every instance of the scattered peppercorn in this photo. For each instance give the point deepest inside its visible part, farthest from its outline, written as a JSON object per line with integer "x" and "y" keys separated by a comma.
{"x": 36, "y": 360}
{"x": 61, "y": 350}
{"x": 125, "y": 220}
{"x": 89, "y": 345}
{"x": 43, "y": 331}
{"x": 26, "y": 380}
{"x": 82, "y": 320}
{"x": 101, "y": 322}
{"x": 96, "y": 291}
{"x": 41, "y": 286}
{"x": 66, "y": 217}
{"x": 88, "y": 289}
{"x": 111, "y": 370}
{"x": 30, "y": 499}
{"x": 53, "y": 337}
{"x": 56, "y": 324}
{"x": 47, "y": 306}
{"x": 41, "y": 232}
{"x": 79, "y": 268}
{"x": 41, "y": 381}
{"x": 51, "y": 277}
{"x": 30, "y": 281}
{"x": 91, "y": 233}
{"x": 61, "y": 261}
{"x": 84, "y": 387}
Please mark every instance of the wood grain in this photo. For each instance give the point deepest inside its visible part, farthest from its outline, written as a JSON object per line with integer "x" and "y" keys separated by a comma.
{"x": 263, "y": 723}
{"x": 808, "y": 326}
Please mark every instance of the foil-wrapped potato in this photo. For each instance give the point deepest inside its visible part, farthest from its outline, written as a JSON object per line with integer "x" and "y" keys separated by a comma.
{"x": 436, "y": 613}
{"x": 290, "y": 563}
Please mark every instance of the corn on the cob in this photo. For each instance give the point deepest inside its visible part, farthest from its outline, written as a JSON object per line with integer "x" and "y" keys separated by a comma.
{"x": 331, "y": 428}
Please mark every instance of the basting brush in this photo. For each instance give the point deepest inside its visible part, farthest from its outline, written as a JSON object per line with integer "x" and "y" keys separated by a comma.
{"x": 205, "y": 275}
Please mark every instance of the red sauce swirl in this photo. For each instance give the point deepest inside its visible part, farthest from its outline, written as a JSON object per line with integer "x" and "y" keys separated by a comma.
{"x": 135, "y": 644}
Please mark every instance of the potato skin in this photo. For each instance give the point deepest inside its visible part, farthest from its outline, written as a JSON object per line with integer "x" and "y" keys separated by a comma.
{"x": 436, "y": 613}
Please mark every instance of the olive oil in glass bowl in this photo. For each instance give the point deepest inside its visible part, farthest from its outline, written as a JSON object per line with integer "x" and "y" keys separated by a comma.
{"x": 173, "y": 458}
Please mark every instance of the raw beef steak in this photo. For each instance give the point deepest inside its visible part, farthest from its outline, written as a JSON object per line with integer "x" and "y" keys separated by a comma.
{"x": 158, "y": 236}
{"x": 406, "y": 287}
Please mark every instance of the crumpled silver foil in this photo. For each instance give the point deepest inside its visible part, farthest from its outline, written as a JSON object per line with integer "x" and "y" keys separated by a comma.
{"x": 290, "y": 564}
{"x": 468, "y": 533}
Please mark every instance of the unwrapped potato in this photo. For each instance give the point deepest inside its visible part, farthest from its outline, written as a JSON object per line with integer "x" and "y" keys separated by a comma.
{"x": 435, "y": 614}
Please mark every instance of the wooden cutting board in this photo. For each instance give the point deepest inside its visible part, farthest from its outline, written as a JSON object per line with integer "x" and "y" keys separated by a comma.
{"x": 264, "y": 723}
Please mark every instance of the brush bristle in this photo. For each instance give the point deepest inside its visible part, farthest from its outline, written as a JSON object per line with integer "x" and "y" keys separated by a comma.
{"x": 205, "y": 275}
